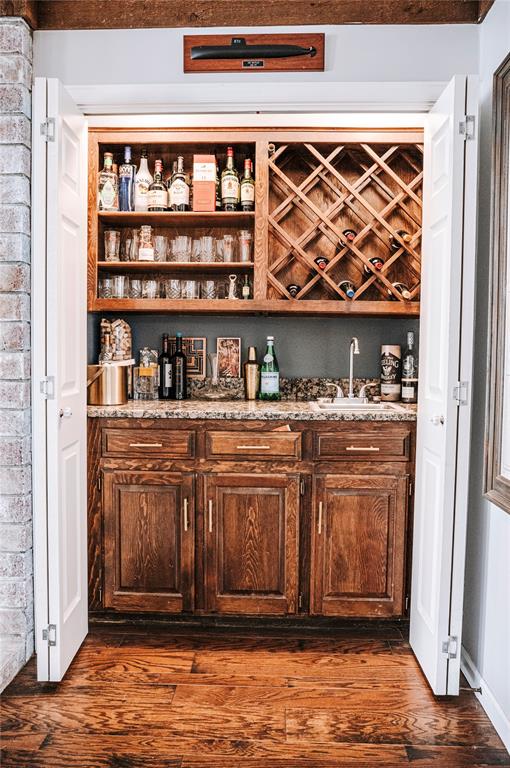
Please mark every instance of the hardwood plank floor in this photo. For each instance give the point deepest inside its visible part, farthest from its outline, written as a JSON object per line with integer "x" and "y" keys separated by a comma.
{"x": 228, "y": 699}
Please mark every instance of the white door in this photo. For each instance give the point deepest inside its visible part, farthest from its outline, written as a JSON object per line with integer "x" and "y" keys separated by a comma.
{"x": 446, "y": 329}
{"x": 59, "y": 324}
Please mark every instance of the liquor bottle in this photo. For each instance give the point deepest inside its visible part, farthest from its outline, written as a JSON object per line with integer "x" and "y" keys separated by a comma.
{"x": 270, "y": 374}
{"x": 165, "y": 371}
{"x": 229, "y": 184}
{"x": 178, "y": 196}
{"x": 168, "y": 182}
{"x": 143, "y": 180}
{"x": 395, "y": 245}
{"x": 376, "y": 262}
{"x": 247, "y": 188}
{"x": 157, "y": 194}
{"x": 127, "y": 173}
{"x": 178, "y": 361}
{"x": 146, "y": 247}
{"x": 390, "y": 372}
{"x": 108, "y": 186}
{"x": 348, "y": 288}
{"x": 410, "y": 372}
{"x": 400, "y": 288}
{"x": 218, "y": 186}
{"x": 246, "y": 289}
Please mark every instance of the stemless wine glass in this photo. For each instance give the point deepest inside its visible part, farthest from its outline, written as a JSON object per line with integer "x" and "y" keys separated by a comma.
{"x": 111, "y": 245}
{"x": 160, "y": 247}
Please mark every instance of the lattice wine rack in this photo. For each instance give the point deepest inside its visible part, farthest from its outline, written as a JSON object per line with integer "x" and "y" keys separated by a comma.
{"x": 319, "y": 190}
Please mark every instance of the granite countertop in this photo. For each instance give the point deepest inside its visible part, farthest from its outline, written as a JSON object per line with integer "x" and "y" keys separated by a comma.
{"x": 241, "y": 410}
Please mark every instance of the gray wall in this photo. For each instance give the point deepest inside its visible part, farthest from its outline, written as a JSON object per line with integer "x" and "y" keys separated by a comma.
{"x": 305, "y": 346}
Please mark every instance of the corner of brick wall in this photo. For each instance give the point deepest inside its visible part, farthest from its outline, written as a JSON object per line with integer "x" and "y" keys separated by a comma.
{"x": 16, "y": 574}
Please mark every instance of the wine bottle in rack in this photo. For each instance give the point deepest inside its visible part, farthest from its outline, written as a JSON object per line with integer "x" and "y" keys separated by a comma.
{"x": 143, "y": 180}
{"x": 395, "y": 245}
{"x": 247, "y": 188}
{"x": 179, "y": 188}
{"x": 157, "y": 195}
{"x": 348, "y": 288}
{"x": 229, "y": 184}
{"x": 349, "y": 235}
{"x": 322, "y": 262}
{"x": 377, "y": 264}
{"x": 400, "y": 288}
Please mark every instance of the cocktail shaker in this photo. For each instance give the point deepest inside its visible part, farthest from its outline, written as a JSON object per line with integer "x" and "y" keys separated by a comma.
{"x": 251, "y": 371}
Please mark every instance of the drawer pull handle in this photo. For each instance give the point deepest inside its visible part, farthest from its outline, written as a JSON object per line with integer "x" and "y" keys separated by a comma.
{"x": 186, "y": 521}
{"x": 319, "y": 522}
{"x": 146, "y": 445}
{"x": 254, "y": 447}
{"x": 210, "y": 515}
{"x": 363, "y": 448}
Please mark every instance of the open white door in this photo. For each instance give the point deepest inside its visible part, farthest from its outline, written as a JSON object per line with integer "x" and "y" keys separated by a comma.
{"x": 59, "y": 322}
{"x": 446, "y": 337}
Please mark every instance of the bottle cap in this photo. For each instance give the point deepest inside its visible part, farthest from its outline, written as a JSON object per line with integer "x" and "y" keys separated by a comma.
{"x": 252, "y": 354}
{"x": 127, "y": 153}
{"x": 178, "y": 335}
{"x": 270, "y": 338}
{"x": 230, "y": 152}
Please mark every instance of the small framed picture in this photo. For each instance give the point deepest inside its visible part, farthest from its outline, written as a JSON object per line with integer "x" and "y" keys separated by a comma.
{"x": 229, "y": 357}
{"x": 195, "y": 349}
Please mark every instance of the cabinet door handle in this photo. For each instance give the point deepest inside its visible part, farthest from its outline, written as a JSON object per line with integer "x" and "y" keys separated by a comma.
{"x": 146, "y": 445}
{"x": 363, "y": 448}
{"x": 210, "y": 515}
{"x": 186, "y": 521}
{"x": 319, "y": 521}
{"x": 254, "y": 447}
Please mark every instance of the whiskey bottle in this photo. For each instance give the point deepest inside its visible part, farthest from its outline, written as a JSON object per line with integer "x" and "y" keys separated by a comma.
{"x": 348, "y": 288}
{"x": 143, "y": 180}
{"x": 395, "y": 245}
{"x": 229, "y": 184}
{"x": 178, "y": 361}
{"x": 127, "y": 173}
{"x": 108, "y": 186}
{"x": 179, "y": 188}
{"x": 247, "y": 188}
{"x": 390, "y": 372}
{"x": 165, "y": 371}
{"x": 410, "y": 372}
{"x": 377, "y": 264}
{"x": 270, "y": 374}
{"x": 157, "y": 194}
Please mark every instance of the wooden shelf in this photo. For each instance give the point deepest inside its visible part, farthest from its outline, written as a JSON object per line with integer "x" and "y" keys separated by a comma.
{"x": 174, "y": 266}
{"x": 194, "y": 218}
{"x": 255, "y": 307}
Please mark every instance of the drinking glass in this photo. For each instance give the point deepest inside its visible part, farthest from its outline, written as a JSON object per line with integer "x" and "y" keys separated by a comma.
{"x": 135, "y": 288}
{"x": 226, "y": 248}
{"x": 120, "y": 284}
{"x": 182, "y": 248}
{"x": 208, "y": 289}
{"x": 196, "y": 251}
{"x": 173, "y": 289}
{"x": 106, "y": 288}
{"x": 245, "y": 244}
{"x": 111, "y": 245}
{"x": 190, "y": 289}
{"x": 160, "y": 247}
{"x": 149, "y": 288}
{"x": 207, "y": 249}
{"x": 134, "y": 243}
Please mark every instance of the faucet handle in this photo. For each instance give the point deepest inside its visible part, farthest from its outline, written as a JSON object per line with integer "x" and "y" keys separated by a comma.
{"x": 339, "y": 391}
{"x": 363, "y": 391}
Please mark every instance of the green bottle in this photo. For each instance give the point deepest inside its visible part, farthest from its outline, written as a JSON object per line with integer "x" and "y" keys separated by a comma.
{"x": 270, "y": 374}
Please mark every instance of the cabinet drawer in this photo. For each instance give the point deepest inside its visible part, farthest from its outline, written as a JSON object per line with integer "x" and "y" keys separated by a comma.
{"x": 393, "y": 446}
{"x": 261, "y": 445}
{"x": 163, "y": 443}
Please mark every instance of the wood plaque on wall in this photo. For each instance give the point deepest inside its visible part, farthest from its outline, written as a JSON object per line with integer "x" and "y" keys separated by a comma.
{"x": 254, "y": 53}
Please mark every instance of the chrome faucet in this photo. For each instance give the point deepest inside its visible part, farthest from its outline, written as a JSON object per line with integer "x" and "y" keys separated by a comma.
{"x": 353, "y": 350}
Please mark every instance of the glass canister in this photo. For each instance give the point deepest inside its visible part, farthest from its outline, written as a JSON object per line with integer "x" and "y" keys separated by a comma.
{"x": 146, "y": 375}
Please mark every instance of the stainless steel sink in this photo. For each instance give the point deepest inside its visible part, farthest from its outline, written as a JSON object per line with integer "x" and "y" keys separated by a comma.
{"x": 348, "y": 405}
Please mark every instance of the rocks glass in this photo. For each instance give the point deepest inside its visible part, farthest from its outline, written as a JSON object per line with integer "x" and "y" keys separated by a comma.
{"x": 111, "y": 245}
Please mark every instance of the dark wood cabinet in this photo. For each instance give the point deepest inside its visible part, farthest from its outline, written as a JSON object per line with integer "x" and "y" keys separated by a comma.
{"x": 148, "y": 540}
{"x": 358, "y": 545}
{"x": 251, "y": 543}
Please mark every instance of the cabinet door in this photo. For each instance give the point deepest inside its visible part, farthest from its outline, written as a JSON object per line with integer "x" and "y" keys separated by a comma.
{"x": 251, "y": 542}
{"x": 149, "y": 541}
{"x": 358, "y": 545}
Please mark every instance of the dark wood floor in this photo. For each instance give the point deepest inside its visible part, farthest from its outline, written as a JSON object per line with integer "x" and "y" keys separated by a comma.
{"x": 162, "y": 699}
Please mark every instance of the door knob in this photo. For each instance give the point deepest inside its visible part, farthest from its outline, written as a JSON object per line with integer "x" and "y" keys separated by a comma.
{"x": 436, "y": 419}
{"x": 65, "y": 413}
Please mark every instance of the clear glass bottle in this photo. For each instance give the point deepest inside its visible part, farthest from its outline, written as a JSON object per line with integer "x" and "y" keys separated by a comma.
{"x": 247, "y": 188}
{"x": 108, "y": 186}
{"x": 229, "y": 184}
{"x": 127, "y": 172}
{"x": 270, "y": 374}
{"x": 157, "y": 194}
{"x": 410, "y": 372}
{"x": 178, "y": 196}
{"x": 143, "y": 180}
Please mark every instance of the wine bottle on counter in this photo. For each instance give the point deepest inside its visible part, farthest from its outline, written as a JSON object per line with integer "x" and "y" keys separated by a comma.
{"x": 229, "y": 184}
{"x": 270, "y": 374}
{"x": 127, "y": 172}
{"x": 165, "y": 371}
{"x": 390, "y": 372}
{"x": 410, "y": 372}
{"x": 178, "y": 362}
{"x": 143, "y": 180}
{"x": 157, "y": 194}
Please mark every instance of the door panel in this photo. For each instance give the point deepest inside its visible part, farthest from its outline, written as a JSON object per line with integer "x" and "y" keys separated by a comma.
{"x": 149, "y": 541}
{"x": 251, "y": 543}
{"x": 441, "y": 459}
{"x": 358, "y": 543}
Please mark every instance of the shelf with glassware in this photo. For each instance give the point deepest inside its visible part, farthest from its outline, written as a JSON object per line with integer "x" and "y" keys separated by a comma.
{"x": 335, "y": 226}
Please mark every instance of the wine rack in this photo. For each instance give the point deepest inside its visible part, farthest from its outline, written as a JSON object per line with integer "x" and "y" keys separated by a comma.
{"x": 310, "y": 186}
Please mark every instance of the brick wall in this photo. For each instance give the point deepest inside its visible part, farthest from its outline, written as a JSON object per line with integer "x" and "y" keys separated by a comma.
{"x": 16, "y": 583}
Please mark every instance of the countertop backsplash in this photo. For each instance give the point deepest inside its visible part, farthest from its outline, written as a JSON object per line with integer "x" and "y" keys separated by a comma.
{"x": 292, "y": 390}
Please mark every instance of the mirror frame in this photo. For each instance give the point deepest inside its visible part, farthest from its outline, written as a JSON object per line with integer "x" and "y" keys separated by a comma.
{"x": 497, "y": 486}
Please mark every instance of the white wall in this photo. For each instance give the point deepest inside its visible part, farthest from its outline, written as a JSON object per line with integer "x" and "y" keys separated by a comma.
{"x": 487, "y": 597}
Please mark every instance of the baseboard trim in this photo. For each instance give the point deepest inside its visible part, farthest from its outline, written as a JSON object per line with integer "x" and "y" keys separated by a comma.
{"x": 486, "y": 698}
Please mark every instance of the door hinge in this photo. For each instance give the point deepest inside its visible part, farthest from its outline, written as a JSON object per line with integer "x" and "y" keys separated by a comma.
{"x": 467, "y": 127}
{"x": 47, "y": 387}
{"x": 460, "y": 393}
{"x": 407, "y": 603}
{"x": 411, "y": 487}
{"x": 300, "y": 600}
{"x": 99, "y": 481}
{"x": 49, "y": 634}
{"x": 48, "y": 129}
{"x": 301, "y": 487}
{"x": 450, "y": 647}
